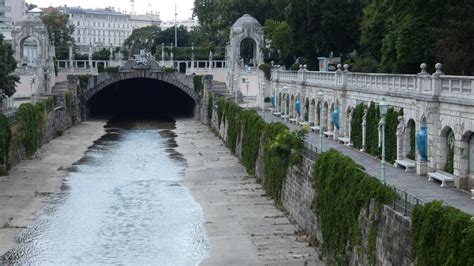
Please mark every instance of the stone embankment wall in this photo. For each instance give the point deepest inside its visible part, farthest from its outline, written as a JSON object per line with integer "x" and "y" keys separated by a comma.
{"x": 57, "y": 121}
{"x": 393, "y": 230}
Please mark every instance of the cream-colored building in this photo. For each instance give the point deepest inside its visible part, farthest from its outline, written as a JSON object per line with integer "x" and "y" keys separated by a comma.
{"x": 10, "y": 12}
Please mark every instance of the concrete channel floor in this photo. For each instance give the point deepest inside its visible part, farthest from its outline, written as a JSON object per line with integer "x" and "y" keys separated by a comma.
{"x": 243, "y": 225}
{"x": 414, "y": 184}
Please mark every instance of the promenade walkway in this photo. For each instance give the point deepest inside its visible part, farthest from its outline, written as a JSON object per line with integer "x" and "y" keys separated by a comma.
{"x": 416, "y": 185}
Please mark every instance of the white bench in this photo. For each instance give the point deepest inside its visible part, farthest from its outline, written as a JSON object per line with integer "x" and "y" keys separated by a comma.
{"x": 284, "y": 117}
{"x": 444, "y": 178}
{"x": 277, "y": 114}
{"x": 315, "y": 128}
{"x": 328, "y": 133}
{"x": 292, "y": 120}
{"x": 345, "y": 140}
{"x": 407, "y": 163}
{"x": 303, "y": 124}
{"x": 472, "y": 193}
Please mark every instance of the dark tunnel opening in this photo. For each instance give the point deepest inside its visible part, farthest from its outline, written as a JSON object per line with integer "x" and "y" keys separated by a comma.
{"x": 141, "y": 98}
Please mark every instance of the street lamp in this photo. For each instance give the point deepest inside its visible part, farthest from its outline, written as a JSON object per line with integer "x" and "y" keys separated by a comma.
{"x": 263, "y": 98}
{"x": 286, "y": 98}
{"x": 383, "y": 107}
{"x": 320, "y": 97}
{"x": 247, "y": 81}
{"x": 235, "y": 78}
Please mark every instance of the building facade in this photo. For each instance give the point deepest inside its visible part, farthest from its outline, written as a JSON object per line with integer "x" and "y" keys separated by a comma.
{"x": 189, "y": 24}
{"x": 10, "y": 12}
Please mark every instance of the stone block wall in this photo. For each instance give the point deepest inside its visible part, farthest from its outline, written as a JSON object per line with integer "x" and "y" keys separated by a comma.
{"x": 393, "y": 229}
{"x": 57, "y": 121}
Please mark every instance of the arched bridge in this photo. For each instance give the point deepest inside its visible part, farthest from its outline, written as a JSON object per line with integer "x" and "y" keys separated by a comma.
{"x": 130, "y": 70}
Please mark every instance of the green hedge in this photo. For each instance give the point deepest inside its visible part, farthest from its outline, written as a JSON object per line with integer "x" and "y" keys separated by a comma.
{"x": 412, "y": 153}
{"x": 442, "y": 235}
{"x": 210, "y": 106}
{"x": 342, "y": 192}
{"x": 356, "y": 125}
{"x": 372, "y": 137}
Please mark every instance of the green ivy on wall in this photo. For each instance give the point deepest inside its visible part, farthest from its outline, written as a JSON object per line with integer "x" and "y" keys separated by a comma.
{"x": 68, "y": 96}
{"x": 449, "y": 167}
{"x": 198, "y": 84}
{"x": 442, "y": 235}
{"x": 5, "y": 138}
{"x": 342, "y": 192}
{"x": 28, "y": 120}
{"x": 282, "y": 148}
{"x": 356, "y": 125}
{"x": 210, "y": 105}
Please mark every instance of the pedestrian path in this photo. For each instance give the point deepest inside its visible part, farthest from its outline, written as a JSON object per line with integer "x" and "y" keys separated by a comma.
{"x": 416, "y": 185}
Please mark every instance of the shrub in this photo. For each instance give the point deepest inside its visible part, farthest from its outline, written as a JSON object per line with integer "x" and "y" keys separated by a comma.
{"x": 267, "y": 70}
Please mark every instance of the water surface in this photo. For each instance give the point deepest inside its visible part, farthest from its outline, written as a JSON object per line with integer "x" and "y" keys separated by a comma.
{"x": 121, "y": 204}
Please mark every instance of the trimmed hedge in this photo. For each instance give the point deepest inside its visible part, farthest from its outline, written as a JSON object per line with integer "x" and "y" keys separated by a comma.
{"x": 5, "y": 138}
{"x": 442, "y": 235}
{"x": 197, "y": 82}
{"x": 356, "y": 126}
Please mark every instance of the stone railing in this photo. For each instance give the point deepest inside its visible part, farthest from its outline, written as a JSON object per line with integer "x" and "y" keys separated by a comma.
{"x": 382, "y": 82}
{"x": 423, "y": 84}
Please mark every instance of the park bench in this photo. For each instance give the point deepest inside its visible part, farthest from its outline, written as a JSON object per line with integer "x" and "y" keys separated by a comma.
{"x": 472, "y": 194}
{"x": 315, "y": 128}
{"x": 284, "y": 117}
{"x": 407, "y": 163}
{"x": 345, "y": 140}
{"x": 443, "y": 177}
{"x": 292, "y": 120}
{"x": 277, "y": 114}
{"x": 303, "y": 124}
{"x": 328, "y": 133}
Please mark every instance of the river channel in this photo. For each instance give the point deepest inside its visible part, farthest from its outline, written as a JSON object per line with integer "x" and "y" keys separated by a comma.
{"x": 121, "y": 204}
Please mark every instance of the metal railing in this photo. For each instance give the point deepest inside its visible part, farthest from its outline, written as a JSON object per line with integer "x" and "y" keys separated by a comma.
{"x": 405, "y": 202}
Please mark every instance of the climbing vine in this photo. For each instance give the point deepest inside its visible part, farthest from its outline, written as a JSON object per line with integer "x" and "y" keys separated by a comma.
{"x": 197, "y": 82}
{"x": 282, "y": 148}
{"x": 68, "y": 96}
{"x": 356, "y": 125}
{"x": 391, "y": 123}
{"x": 342, "y": 192}
{"x": 210, "y": 103}
{"x": 5, "y": 138}
{"x": 442, "y": 235}
{"x": 28, "y": 118}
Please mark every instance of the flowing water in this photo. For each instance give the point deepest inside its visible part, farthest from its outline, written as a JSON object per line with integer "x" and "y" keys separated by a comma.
{"x": 121, "y": 204}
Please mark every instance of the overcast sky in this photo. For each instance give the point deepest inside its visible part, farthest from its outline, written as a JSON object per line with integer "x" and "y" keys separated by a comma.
{"x": 165, "y": 7}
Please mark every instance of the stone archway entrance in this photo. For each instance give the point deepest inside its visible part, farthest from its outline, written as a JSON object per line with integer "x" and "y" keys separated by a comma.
{"x": 246, "y": 42}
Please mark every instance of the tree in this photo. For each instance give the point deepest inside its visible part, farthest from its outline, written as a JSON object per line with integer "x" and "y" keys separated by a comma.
{"x": 278, "y": 35}
{"x": 31, "y": 6}
{"x": 142, "y": 38}
{"x": 59, "y": 31}
{"x": 103, "y": 54}
{"x": 7, "y": 67}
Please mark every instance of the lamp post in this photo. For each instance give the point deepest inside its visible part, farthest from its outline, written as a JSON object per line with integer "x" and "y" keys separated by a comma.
{"x": 320, "y": 97}
{"x": 263, "y": 98}
{"x": 286, "y": 98}
{"x": 247, "y": 81}
{"x": 383, "y": 108}
{"x": 235, "y": 79}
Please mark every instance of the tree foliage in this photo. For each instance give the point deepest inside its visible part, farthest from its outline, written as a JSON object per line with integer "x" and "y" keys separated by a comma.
{"x": 59, "y": 31}
{"x": 7, "y": 67}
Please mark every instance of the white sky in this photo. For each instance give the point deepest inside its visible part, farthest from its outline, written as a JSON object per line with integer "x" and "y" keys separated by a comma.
{"x": 165, "y": 7}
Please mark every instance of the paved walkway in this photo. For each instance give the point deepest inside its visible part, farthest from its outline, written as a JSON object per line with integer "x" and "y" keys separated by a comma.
{"x": 416, "y": 185}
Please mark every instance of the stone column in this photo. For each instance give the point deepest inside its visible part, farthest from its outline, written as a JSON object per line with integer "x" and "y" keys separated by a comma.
{"x": 210, "y": 59}
{"x": 162, "y": 54}
{"x": 364, "y": 129}
{"x": 311, "y": 114}
{"x": 172, "y": 56}
{"x": 461, "y": 163}
{"x": 90, "y": 57}
{"x": 192, "y": 59}
{"x": 400, "y": 139}
{"x": 71, "y": 57}
{"x": 349, "y": 127}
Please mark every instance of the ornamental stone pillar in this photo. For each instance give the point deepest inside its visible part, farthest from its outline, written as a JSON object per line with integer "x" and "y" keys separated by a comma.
{"x": 400, "y": 139}
{"x": 364, "y": 129}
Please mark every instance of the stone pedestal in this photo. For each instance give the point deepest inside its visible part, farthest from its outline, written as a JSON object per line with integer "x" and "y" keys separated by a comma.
{"x": 421, "y": 168}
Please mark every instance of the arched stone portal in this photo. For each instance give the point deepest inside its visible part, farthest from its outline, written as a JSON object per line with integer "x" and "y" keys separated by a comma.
{"x": 245, "y": 28}
{"x": 147, "y": 81}
{"x": 30, "y": 27}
